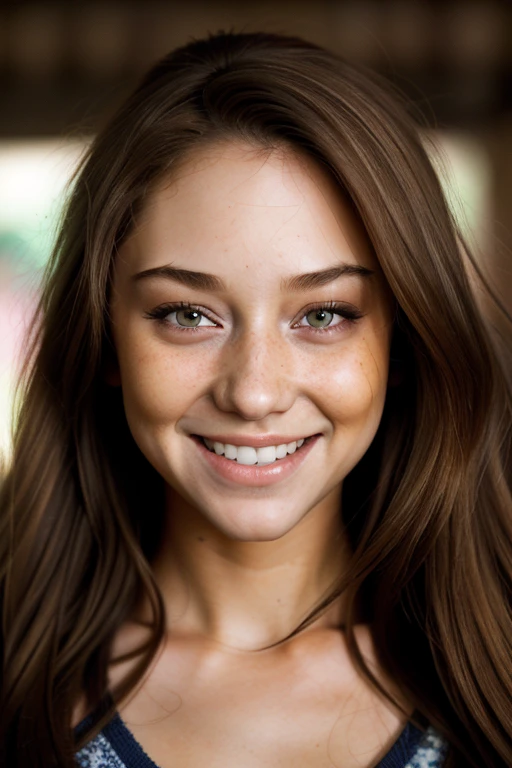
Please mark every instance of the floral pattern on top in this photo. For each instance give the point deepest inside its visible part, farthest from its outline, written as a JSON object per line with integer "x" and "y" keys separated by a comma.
{"x": 99, "y": 753}
{"x": 431, "y": 751}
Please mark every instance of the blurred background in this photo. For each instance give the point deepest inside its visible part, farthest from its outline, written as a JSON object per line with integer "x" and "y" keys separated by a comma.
{"x": 65, "y": 65}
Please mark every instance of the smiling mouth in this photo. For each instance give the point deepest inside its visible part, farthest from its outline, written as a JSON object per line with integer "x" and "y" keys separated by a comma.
{"x": 249, "y": 456}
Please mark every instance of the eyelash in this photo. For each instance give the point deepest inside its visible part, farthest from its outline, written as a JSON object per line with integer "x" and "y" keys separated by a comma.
{"x": 349, "y": 313}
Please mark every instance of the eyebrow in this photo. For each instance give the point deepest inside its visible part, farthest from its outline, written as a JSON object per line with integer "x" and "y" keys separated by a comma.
{"x": 297, "y": 283}
{"x": 201, "y": 280}
{"x": 309, "y": 280}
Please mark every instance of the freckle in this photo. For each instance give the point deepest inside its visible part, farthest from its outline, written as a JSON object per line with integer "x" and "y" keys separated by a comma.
{"x": 200, "y": 538}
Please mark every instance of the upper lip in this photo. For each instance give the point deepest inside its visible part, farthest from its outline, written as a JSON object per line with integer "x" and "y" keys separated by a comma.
{"x": 255, "y": 441}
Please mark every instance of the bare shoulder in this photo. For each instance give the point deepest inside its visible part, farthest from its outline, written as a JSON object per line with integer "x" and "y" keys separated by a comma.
{"x": 366, "y": 646}
{"x": 332, "y": 659}
{"x": 130, "y": 637}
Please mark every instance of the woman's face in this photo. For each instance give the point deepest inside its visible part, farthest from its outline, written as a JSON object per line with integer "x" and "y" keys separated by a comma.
{"x": 249, "y": 315}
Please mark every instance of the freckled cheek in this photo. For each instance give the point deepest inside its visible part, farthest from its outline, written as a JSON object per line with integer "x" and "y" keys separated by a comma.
{"x": 352, "y": 387}
{"x": 159, "y": 383}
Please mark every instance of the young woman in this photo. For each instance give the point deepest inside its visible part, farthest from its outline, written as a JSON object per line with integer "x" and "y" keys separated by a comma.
{"x": 259, "y": 509}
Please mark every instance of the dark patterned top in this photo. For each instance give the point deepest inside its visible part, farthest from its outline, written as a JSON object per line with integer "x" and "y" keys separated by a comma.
{"x": 116, "y": 747}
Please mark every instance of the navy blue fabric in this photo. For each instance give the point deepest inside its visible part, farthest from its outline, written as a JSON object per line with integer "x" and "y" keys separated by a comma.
{"x": 403, "y": 748}
{"x": 126, "y": 746}
{"x": 131, "y": 753}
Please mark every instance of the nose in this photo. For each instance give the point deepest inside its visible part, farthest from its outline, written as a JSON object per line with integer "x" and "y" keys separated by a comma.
{"x": 256, "y": 376}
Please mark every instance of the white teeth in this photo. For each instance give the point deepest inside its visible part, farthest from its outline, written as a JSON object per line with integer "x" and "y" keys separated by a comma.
{"x": 281, "y": 451}
{"x": 266, "y": 455}
{"x": 230, "y": 451}
{"x": 245, "y": 454}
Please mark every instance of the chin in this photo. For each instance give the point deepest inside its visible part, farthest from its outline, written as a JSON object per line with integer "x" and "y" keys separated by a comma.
{"x": 254, "y": 525}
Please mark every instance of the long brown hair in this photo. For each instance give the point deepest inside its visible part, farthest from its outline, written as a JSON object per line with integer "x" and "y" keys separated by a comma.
{"x": 428, "y": 508}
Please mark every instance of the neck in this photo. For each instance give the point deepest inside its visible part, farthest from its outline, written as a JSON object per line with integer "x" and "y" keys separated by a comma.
{"x": 245, "y": 594}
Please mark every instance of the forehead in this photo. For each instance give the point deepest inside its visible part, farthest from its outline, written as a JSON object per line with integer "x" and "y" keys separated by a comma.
{"x": 237, "y": 200}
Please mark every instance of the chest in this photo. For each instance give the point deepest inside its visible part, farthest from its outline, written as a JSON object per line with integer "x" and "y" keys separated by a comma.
{"x": 252, "y": 715}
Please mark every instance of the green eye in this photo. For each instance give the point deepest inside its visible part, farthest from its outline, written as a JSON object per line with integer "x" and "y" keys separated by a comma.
{"x": 319, "y": 318}
{"x": 180, "y": 316}
{"x": 189, "y": 318}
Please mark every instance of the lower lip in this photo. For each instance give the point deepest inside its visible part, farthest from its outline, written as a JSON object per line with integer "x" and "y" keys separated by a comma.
{"x": 253, "y": 475}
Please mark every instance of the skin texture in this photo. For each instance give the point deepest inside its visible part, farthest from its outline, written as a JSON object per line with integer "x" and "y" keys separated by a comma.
{"x": 239, "y": 566}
